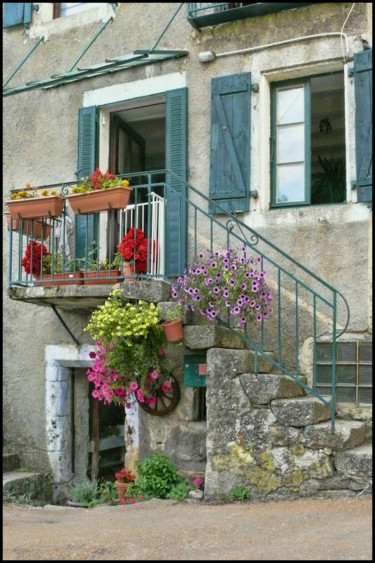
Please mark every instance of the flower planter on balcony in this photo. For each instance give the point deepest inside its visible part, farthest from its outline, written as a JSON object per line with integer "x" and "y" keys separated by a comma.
{"x": 36, "y": 207}
{"x": 95, "y": 277}
{"x": 64, "y": 278}
{"x": 100, "y": 200}
{"x": 34, "y": 229}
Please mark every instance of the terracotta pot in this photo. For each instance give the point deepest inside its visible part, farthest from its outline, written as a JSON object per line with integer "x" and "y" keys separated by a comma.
{"x": 173, "y": 330}
{"x": 100, "y": 200}
{"x": 36, "y": 207}
{"x": 34, "y": 229}
{"x": 65, "y": 278}
{"x": 121, "y": 489}
{"x": 95, "y": 277}
{"x": 129, "y": 275}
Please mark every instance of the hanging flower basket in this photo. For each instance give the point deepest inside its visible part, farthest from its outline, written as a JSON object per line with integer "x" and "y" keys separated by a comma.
{"x": 36, "y": 207}
{"x": 100, "y": 200}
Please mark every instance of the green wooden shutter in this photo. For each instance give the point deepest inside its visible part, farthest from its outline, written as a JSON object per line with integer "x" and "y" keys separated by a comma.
{"x": 176, "y": 161}
{"x": 16, "y": 14}
{"x": 86, "y": 226}
{"x": 230, "y": 142}
{"x": 363, "y": 123}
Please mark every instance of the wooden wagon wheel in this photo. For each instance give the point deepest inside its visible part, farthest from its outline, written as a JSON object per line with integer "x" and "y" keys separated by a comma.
{"x": 166, "y": 401}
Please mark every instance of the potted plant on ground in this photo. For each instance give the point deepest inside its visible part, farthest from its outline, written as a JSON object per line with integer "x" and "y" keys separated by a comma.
{"x": 33, "y": 203}
{"x": 123, "y": 478}
{"x": 224, "y": 286}
{"x": 129, "y": 362}
{"x": 99, "y": 192}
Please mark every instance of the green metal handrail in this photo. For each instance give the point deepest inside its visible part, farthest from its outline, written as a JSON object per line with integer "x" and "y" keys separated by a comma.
{"x": 306, "y": 307}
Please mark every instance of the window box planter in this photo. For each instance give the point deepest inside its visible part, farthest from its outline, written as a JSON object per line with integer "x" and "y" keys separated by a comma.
{"x": 100, "y": 200}
{"x": 32, "y": 228}
{"x": 64, "y": 278}
{"x": 36, "y": 207}
{"x": 95, "y": 277}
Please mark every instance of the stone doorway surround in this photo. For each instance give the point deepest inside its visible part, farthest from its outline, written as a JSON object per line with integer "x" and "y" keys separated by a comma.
{"x": 60, "y": 360}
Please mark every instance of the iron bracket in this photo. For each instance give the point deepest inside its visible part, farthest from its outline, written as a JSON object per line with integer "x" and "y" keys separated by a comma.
{"x": 53, "y": 307}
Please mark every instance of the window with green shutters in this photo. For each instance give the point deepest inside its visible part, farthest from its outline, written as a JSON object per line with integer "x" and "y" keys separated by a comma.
{"x": 230, "y": 142}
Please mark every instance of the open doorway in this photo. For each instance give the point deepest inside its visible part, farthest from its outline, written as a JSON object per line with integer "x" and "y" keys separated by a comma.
{"x": 98, "y": 447}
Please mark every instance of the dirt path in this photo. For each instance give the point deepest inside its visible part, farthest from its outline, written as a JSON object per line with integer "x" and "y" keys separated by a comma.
{"x": 305, "y": 530}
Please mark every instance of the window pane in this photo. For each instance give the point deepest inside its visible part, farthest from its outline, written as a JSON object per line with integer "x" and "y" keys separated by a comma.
{"x": 290, "y": 106}
{"x": 324, "y": 374}
{"x": 290, "y": 143}
{"x": 290, "y": 183}
{"x": 347, "y": 351}
{"x": 365, "y": 396}
{"x": 345, "y": 374}
{"x": 365, "y": 374}
{"x": 345, "y": 394}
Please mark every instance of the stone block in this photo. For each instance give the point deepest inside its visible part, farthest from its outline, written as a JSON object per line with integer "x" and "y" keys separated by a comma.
{"x": 300, "y": 412}
{"x": 263, "y": 388}
{"x": 347, "y": 435}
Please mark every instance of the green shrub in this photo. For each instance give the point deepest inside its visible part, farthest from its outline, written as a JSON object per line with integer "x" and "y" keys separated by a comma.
{"x": 156, "y": 476}
{"x": 85, "y": 493}
{"x": 108, "y": 492}
{"x": 240, "y": 492}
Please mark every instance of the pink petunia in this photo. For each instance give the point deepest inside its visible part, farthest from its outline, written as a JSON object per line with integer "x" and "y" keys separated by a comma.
{"x": 154, "y": 374}
{"x": 133, "y": 385}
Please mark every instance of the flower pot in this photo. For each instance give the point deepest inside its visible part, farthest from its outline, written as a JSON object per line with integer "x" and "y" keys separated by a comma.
{"x": 64, "y": 278}
{"x": 173, "y": 330}
{"x": 121, "y": 489}
{"x": 36, "y": 207}
{"x": 35, "y": 229}
{"x": 100, "y": 200}
{"x": 129, "y": 275}
{"x": 95, "y": 277}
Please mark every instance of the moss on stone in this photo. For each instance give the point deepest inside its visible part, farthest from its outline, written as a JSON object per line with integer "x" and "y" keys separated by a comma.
{"x": 298, "y": 450}
{"x": 264, "y": 481}
{"x": 293, "y": 479}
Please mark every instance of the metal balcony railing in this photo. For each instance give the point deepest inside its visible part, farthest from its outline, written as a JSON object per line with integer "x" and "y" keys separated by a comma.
{"x": 306, "y": 309}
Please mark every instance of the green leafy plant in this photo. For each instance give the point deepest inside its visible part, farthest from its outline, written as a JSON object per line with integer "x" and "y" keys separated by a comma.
{"x": 108, "y": 492}
{"x": 239, "y": 492}
{"x": 328, "y": 186}
{"x": 86, "y": 492}
{"x": 156, "y": 477}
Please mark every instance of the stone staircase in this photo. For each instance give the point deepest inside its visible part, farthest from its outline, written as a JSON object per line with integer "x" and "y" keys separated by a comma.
{"x": 267, "y": 433}
{"x": 29, "y": 487}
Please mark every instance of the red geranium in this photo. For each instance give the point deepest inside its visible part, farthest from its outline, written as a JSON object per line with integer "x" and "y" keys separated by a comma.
{"x": 133, "y": 249}
{"x": 125, "y": 476}
{"x": 33, "y": 257}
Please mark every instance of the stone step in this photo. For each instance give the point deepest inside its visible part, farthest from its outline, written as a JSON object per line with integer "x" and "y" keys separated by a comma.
{"x": 356, "y": 464}
{"x": 234, "y": 362}
{"x": 11, "y": 461}
{"x": 264, "y": 387}
{"x": 347, "y": 434}
{"x": 300, "y": 411}
{"x": 33, "y": 484}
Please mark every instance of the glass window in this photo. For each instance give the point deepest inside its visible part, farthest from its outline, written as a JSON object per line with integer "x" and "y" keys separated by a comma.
{"x": 308, "y": 141}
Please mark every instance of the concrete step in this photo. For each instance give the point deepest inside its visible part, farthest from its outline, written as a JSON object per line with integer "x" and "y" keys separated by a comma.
{"x": 301, "y": 411}
{"x": 33, "y": 485}
{"x": 347, "y": 434}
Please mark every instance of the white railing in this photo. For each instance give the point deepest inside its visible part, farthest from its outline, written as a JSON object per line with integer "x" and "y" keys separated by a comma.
{"x": 129, "y": 218}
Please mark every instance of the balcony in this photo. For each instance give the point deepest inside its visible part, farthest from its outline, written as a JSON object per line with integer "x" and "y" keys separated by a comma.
{"x": 72, "y": 261}
{"x": 205, "y": 14}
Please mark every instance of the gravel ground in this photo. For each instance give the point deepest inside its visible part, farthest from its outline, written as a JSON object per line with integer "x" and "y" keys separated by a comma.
{"x": 304, "y": 530}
